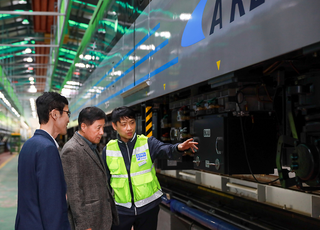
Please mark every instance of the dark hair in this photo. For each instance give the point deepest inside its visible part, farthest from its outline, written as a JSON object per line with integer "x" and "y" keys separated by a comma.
{"x": 122, "y": 112}
{"x": 89, "y": 115}
{"x": 47, "y": 102}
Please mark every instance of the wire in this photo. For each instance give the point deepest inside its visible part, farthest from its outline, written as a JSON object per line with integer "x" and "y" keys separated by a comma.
{"x": 191, "y": 224}
{"x": 265, "y": 88}
{"x": 272, "y": 68}
{"x": 277, "y": 91}
{"x": 258, "y": 96}
{"x": 242, "y": 128}
{"x": 240, "y": 91}
{"x": 297, "y": 71}
{"x": 246, "y": 154}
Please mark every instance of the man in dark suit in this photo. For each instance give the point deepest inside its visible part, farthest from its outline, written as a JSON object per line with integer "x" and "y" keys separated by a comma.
{"x": 89, "y": 197}
{"x": 41, "y": 185}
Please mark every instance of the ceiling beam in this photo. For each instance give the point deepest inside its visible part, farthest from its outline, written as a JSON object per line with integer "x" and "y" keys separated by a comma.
{"x": 97, "y": 15}
{"x": 30, "y": 45}
{"x": 33, "y": 13}
{"x": 27, "y": 76}
{"x": 13, "y": 27}
{"x": 78, "y": 19}
{"x": 26, "y": 63}
{"x": 9, "y": 92}
{"x": 29, "y": 55}
{"x": 62, "y": 31}
{"x": 16, "y": 7}
{"x": 25, "y": 36}
{"x": 93, "y": 2}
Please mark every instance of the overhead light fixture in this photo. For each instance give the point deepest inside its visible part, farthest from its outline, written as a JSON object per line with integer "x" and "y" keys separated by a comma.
{"x": 15, "y": 112}
{"x": 164, "y": 34}
{"x": 103, "y": 31}
{"x": 112, "y": 13}
{"x": 147, "y": 47}
{"x": 116, "y": 73}
{"x": 31, "y": 78}
{"x": 4, "y": 99}
{"x": 81, "y": 65}
{"x": 32, "y": 89}
{"x": 28, "y": 51}
{"x": 134, "y": 58}
{"x": 33, "y": 107}
{"x": 185, "y": 17}
{"x": 29, "y": 59}
{"x": 25, "y": 22}
{"x": 73, "y": 83}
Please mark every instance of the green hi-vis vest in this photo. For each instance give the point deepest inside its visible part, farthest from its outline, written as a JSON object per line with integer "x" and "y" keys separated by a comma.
{"x": 145, "y": 185}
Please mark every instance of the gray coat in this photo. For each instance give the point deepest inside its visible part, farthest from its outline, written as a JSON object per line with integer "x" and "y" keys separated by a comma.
{"x": 90, "y": 203}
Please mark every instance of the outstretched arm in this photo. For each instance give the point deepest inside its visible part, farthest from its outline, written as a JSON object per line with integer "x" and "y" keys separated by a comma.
{"x": 187, "y": 145}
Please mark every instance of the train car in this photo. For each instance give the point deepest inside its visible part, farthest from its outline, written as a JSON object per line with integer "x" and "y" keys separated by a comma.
{"x": 242, "y": 78}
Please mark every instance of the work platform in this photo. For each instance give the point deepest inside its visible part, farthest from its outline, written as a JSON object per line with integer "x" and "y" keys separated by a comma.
{"x": 8, "y": 190}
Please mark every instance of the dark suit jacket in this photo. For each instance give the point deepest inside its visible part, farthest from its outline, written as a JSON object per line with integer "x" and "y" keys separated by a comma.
{"x": 41, "y": 186}
{"x": 89, "y": 198}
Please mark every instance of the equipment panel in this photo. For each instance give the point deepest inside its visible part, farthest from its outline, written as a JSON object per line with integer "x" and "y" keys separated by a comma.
{"x": 236, "y": 145}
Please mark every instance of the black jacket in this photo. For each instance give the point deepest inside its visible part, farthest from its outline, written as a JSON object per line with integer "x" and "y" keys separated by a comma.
{"x": 156, "y": 149}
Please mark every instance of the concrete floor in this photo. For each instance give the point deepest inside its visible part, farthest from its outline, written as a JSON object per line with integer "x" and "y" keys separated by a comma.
{"x": 8, "y": 190}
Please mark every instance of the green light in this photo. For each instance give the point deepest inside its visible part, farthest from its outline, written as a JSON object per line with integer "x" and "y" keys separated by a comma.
{"x": 127, "y": 5}
{"x": 101, "y": 30}
{"x": 79, "y": 25}
{"x": 83, "y": 3}
{"x": 63, "y": 50}
{"x": 65, "y": 60}
{"x": 3, "y": 16}
{"x": 4, "y": 57}
{"x": 20, "y": 43}
{"x": 4, "y": 47}
{"x": 25, "y": 22}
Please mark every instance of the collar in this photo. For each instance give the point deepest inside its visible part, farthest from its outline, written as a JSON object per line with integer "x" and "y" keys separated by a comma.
{"x": 93, "y": 147}
{"x": 132, "y": 139}
{"x": 52, "y": 138}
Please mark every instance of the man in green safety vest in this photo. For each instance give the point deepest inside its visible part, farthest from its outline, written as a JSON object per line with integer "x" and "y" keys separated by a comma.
{"x": 129, "y": 161}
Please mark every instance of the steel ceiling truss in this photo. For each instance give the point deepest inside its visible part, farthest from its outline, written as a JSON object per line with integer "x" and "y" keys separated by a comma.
{"x": 88, "y": 29}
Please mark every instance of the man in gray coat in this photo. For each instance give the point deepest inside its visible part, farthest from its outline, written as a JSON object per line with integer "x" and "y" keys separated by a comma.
{"x": 90, "y": 203}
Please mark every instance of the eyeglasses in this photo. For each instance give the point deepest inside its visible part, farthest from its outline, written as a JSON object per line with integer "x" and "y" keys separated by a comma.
{"x": 68, "y": 112}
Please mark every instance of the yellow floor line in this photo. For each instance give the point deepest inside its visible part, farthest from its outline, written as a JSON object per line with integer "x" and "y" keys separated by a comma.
{"x": 4, "y": 163}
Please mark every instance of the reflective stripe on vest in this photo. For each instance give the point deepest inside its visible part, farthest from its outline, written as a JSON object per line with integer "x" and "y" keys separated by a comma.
{"x": 134, "y": 174}
{"x": 145, "y": 185}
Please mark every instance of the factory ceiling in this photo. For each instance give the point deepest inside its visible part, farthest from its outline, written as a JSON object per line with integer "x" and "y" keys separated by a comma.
{"x": 55, "y": 45}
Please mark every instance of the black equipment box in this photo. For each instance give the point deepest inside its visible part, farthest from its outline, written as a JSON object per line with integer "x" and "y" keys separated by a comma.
{"x": 222, "y": 149}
